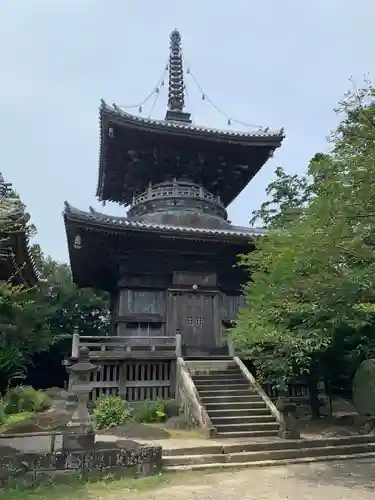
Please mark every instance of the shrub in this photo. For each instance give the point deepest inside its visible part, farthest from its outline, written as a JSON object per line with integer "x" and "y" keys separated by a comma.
{"x": 151, "y": 411}
{"x": 172, "y": 408}
{"x": 110, "y": 411}
{"x": 24, "y": 398}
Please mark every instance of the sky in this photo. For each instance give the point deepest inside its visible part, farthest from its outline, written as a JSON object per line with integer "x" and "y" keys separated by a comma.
{"x": 271, "y": 63}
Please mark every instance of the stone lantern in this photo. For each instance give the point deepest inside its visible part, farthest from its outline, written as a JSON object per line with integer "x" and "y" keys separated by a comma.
{"x": 80, "y": 432}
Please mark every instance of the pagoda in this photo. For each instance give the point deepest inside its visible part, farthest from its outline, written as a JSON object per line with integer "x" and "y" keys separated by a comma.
{"x": 16, "y": 262}
{"x": 169, "y": 262}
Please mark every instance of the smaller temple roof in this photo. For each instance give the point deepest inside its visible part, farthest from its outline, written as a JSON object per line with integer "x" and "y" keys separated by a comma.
{"x": 16, "y": 262}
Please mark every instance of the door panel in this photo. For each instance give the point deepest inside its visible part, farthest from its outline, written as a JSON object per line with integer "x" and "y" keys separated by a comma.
{"x": 194, "y": 315}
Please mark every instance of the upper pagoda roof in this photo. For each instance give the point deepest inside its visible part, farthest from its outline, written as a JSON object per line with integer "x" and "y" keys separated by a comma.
{"x": 16, "y": 262}
{"x": 135, "y": 151}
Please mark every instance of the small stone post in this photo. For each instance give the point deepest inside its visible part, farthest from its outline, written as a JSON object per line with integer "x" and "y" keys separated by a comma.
{"x": 75, "y": 344}
{"x": 80, "y": 433}
{"x": 178, "y": 344}
{"x": 288, "y": 424}
{"x": 231, "y": 350}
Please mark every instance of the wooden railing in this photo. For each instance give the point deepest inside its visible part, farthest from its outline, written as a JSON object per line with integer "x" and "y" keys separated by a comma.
{"x": 127, "y": 344}
{"x": 188, "y": 398}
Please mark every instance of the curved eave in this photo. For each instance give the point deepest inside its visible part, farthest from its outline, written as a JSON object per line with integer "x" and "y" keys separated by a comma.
{"x": 117, "y": 225}
{"x": 261, "y": 137}
{"x": 113, "y": 114}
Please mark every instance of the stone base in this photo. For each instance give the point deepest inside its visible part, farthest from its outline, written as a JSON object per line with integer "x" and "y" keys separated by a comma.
{"x": 78, "y": 440}
{"x": 294, "y": 434}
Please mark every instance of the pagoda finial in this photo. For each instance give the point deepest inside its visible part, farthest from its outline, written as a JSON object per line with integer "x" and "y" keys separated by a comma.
{"x": 176, "y": 90}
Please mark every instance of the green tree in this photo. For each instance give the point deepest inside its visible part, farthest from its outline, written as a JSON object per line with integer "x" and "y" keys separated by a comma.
{"x": 288, "y": 197}
{"x": 312, "y": 276}
{"x": 70, "y": 307}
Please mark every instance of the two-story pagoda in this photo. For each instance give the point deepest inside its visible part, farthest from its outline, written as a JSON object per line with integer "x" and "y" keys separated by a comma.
{"x": 169, "y": 262}
{"x": 16, "y": 263}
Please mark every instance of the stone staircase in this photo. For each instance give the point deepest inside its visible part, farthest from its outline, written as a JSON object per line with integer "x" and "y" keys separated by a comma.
{"x": 235, "y": 410}
{"x": 269, "y": 452}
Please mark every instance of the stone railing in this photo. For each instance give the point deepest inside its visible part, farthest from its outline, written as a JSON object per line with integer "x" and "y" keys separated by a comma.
{"x": 255, "y": 386}
{"x": 189, "y": 401}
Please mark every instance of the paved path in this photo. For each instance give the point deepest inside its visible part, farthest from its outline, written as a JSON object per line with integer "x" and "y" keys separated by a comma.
{"x": 347, "y": 480}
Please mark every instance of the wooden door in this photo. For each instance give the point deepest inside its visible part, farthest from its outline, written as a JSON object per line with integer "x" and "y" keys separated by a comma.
{"x": 195, "y": 319}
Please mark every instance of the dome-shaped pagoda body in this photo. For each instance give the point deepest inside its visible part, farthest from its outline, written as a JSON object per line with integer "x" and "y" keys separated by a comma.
{"x": 179, "y": 203}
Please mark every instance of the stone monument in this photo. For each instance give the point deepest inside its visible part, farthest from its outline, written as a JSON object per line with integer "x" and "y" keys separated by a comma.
{"x": 80, "y": 433}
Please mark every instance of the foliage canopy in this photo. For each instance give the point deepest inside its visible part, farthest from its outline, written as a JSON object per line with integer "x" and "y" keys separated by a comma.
{"x": 312, "y": 277}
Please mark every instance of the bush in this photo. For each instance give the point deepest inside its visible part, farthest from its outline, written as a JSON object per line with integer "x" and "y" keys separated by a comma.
{"x": 110, "y": 411}
{"x": 151, "y": 411}
{"x": 24, "y": 398}
{"x": 172, "y": 408}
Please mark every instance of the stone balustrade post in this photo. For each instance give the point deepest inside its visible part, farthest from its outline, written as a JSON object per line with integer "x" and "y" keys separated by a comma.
{"x": 178, "y": 345}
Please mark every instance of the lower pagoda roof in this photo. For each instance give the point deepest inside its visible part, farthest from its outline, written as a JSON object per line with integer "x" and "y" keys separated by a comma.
{"x": 94, "y": 240}
{"x": 110, "y": 223}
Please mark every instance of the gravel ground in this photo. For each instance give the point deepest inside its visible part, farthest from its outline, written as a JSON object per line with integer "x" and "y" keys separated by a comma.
{"x": 347, "y": 480}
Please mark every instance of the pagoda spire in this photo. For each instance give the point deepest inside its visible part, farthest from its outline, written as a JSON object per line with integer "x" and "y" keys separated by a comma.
{"x": 176, "y": 88}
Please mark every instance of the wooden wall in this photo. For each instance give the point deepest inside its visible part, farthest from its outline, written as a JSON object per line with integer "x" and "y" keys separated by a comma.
{"x": 141, "y": 302}
{"x": 140, "y": 313}
{"x": 230, "y": 305}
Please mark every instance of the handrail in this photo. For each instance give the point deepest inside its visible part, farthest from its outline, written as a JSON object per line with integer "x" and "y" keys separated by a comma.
{"x": 191, "y": 400}
{"x": 250, "y": 378}
{"x": 128, "y": 342}
{"x": 176, "y": 190}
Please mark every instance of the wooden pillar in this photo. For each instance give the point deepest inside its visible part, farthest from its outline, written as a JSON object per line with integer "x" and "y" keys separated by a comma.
{"x": 173, "y": 379}
{"x": 122, "y": 379}
{"x": 217, "y": 319}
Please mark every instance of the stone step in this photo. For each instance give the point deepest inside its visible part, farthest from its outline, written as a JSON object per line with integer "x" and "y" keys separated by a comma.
{"x": 268, "y": 455}
{"x": 273, "y": 444}
{"x": 217, "y": 381}
{"x": 247, "y": 426}
{"x": 268, "y": 463}
{"x": 229, "y": 375}
{"x": 224, "y": 391}
{"x": 231, "y": 398}
{"x": 240, "y": 412}
{"x": 247, "y": 434}
{"x": 224, "y": 388}
{"x": 246, "y": 403}
{"x": 219, "y": 365}
{"x": 219, "y": 420}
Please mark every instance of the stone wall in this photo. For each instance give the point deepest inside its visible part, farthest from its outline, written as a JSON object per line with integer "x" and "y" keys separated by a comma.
{"x": 31, "y": 468}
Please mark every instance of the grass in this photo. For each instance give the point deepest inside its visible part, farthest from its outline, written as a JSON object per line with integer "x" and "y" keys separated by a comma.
{"x": 14, "y": 419}
{"x": 106, "y": 488}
